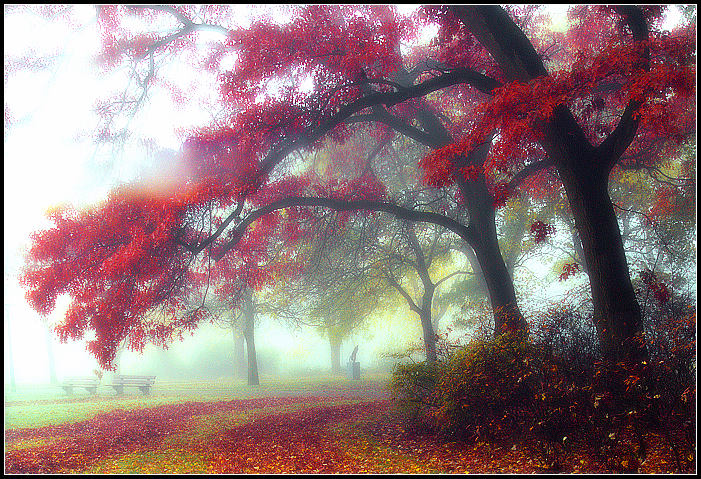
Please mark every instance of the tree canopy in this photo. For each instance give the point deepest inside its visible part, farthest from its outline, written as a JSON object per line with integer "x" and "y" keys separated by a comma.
{"x": 502, "y": 110}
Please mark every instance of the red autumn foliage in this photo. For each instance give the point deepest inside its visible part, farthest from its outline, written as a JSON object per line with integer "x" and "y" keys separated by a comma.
{"x": 295, "y": 85}
{"x": 118, "y": 432}
{"x": 541, "y": 231}
{"x": 569, "y": 269}
{"x": 553, "y": 393}
{"x": 283, "y": 435}
{"x": 658, "y": 288}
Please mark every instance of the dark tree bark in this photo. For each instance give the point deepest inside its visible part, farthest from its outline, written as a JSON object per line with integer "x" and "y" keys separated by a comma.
{"x": 617, "y": 314}
{"x": 249, "y": 315}
{"x": 500, "y": 285}
{"x": 485, "y": 243}
{"x": 426, "y": 299}
{"x": 479, "y": 201}
{"x": 584, "y": 171}
{"x": 429, "y": 336}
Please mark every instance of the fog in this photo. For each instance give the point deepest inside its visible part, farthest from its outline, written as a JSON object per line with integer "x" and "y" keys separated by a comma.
{"x": 56, "y": 104}
{"x": 49, "y": 160}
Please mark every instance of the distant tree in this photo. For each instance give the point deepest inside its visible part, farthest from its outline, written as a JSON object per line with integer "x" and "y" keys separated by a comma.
{"x": 336, "y": 290}
{"x": 50, "y": 355}
{"x": 231, "y": 318}
{"x": 414, "y": 259}
{"x": 10, "y": 357}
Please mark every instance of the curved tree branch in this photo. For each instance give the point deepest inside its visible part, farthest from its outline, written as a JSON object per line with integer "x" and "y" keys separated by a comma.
{"x": 346, "y": 205}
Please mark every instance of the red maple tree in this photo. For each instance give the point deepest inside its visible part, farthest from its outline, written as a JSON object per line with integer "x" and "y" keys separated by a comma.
{"x": 481, "y": 96}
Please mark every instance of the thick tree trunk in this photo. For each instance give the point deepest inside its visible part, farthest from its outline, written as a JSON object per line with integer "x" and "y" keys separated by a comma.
{"x": 584, "y": 171}
{"x": 617, "y": 313}
{"x": 335, "y": 355}
{"x": 480, "y": 205}
{"x": 500, "y": 285}
{"x": 249, "y": 315}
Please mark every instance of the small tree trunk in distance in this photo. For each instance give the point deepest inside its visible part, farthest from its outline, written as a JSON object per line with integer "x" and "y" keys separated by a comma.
{"x": 436, "y": 318}
{"x": 252, "y": 360}
{"x": 335, "y": 355}
{"x": 249, "y": 314}
{"x": 426, "y": 299}
{"x": 52, "y": 360}
{"x": 429, "y": 336}
{"x": 10, "y": 360}
{"x": 239, "y": 353}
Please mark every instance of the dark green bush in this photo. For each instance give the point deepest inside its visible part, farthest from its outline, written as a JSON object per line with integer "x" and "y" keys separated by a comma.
{"x": 507, "y": 387}
{"x": 485, "y": 385}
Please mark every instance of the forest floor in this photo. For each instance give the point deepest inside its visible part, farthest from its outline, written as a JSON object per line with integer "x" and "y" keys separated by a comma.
{"x": 330, "y": 425}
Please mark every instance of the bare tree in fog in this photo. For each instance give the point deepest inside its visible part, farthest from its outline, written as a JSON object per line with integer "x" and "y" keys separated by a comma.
{"x": 338, "y": 288}
{"x": 240, "y": 317}
{"x": 411, "y": 255}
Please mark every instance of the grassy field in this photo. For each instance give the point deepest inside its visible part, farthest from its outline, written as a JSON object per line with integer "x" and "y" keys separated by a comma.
{"x": 293, "y": 425}
{"x": 36, "y": 406}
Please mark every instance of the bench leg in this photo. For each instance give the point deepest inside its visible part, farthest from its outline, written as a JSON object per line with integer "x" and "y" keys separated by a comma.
{"x": 119, "y": 389}
{"x": 68, "y": 389}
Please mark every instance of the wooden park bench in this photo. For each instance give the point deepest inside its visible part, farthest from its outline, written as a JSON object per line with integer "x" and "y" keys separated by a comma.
{"x": 89, "y": 383}
{"x": 144, "y": 383}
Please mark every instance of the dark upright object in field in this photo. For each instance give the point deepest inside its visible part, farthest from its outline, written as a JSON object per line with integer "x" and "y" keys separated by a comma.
{"x": 353, "y": 365}
{"x": 353, "y": 354}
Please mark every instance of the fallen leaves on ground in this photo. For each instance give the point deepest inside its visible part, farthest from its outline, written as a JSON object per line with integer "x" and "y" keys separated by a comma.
{"x": 322, "y": 434}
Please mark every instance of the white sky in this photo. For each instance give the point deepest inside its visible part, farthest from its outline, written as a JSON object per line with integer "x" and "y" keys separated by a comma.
{"x": 45, "y": 164}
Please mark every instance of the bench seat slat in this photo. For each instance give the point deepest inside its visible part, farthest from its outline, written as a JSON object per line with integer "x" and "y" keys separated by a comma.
{"x": 144, "y": 383}
{"x": 89, "y": 383}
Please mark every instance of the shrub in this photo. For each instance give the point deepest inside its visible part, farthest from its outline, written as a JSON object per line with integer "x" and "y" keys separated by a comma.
{"x": 483, "y": 387}
{"x": 488, "y": 389}
{"x": 554, "y": 389}
{"x": 413, "y": 387}
{"x": 509, "y": 386}
{"x": 570, "y": 336}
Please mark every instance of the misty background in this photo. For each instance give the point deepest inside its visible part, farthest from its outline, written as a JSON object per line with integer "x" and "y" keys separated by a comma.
{"x": 50, "y": 159}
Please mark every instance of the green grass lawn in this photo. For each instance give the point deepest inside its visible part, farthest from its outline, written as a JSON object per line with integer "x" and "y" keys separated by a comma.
{"x": 36, "y": 406}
